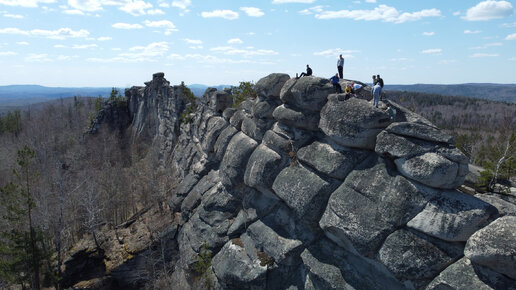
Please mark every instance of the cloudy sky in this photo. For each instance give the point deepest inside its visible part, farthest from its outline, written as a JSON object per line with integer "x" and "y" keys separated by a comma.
{"x": 123, "y": 42}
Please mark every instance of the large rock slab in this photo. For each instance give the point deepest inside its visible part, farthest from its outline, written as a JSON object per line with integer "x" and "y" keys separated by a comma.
{"x": 307, "y": 93}
{"x": 298, "y": 119}
{"x": 504, "y": 207}
{"x": 412, "y": 258}
{"x": 453, "y": 216}
{"x": 331, "y": 160}
{"x": 264, "y": 109}
{"x": 270, "y": 86}
{"x": 371, "y": 204}
{"x": 303, "y": 191}
{"x": 395, "y": 146}
{"x": 331, "y": 267}
{"x": 237, "y": 154}
{"x": 263, "y": 166}
{"x": 432, "y": 169}
{"x": 464, "y": 275}
{"x": 353, "y": 122}
{"x": 495, "y": 246}
{"x": 214, "y": 127}
{"x": 419, "y": 131}
{"x": 234, "y": 267}
{"x": 223, "y": 140}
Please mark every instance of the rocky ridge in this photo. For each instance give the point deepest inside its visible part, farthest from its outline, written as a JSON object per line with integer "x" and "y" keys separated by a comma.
{"x": 301, "y": 188}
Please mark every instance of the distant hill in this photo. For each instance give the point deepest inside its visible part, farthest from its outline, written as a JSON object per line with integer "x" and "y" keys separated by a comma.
{"x": 22, "y": 95}
{"x": 495, "y": 92}
{"x": 198, "y": 89}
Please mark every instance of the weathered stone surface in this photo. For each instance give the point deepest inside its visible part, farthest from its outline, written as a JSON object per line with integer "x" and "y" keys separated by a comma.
{"x": 504, "y": 207}
{"x": 353, "y": 123}
{"x": 410, "y": 257}
{"x": 307, "y": 93}
{"x": 223, "y": 140}
{"x": 297, "y": 119}
{"x": 264, "y": 109}
{"x": 270, "y": 86}
{"x": 495, "y": 246}
{"x": 236, "y": 270}
{"x": 372, "y": 203}
{"x": 237, "y": 154}
{"x": 419, "y": 131}
{"x": 236, "y": 119}
{"x": 394, "y": 146}
{"x": 228, "y": 113}
{"x": 256, "y": 128}
{"x": 334, "y": 162}
{"x": 282, "y": 249}
{"x": 331, "y": 267}
{"x": 464, "y": 275}
{"x": 453, "y": 216}
{"x": 431, "y": 169}
{"x": 263, "y": 167}
{"x": 303, "y": 191}
{"x": 214, "y": 127}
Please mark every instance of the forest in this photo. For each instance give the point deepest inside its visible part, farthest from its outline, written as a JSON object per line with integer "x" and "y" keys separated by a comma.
{"x": 58, "y": 184}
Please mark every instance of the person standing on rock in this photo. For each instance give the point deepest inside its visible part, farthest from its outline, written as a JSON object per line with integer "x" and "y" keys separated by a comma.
{"x": 374, "y": 80}
{"x": 377, "y": 91}
{"x": 335, "y": 82}
{"x": 340, "y": 66}
{"x": 379, "y": 80}
{"x": 308, "y": 72}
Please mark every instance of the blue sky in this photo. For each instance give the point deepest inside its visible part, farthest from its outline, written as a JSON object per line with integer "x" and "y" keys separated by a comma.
{"x": 123, "y": 42}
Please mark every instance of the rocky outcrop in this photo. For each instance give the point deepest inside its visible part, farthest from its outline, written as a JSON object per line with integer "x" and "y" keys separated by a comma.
{"x": 301, "y": 188}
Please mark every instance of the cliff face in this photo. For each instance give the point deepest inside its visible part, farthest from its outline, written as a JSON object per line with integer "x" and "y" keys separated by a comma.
{"x": 302, "y": 188}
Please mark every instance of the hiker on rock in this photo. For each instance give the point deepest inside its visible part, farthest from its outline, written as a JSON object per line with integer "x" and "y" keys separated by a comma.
{"x": 335, "y": 82}
{"x": 391, "y": 111}
{"x": 340, "y": 66}
{"x": 379, "y": 80}
{"x": 308, "y": 72}
{"x": 374, "y": 80}
{"x": 377, "y": 91}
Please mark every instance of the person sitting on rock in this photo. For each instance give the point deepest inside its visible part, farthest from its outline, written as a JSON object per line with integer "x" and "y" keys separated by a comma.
{"x": 349, "y": 89}
{"x": 391, "y": 111}
{"x": 335, "y": 82}
{"x": 308, "y": 72}
{"x": 356, "y": 87}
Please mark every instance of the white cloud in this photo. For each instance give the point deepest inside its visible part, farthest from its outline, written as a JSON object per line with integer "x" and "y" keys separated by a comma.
{"x": 428, "y": 33}
{"x": 335, "y": 52}
{"x": 252, "y": 11}
{"x": 13, "y": 30}
{"x": 86, "y": 5}
{"x": 84, "y": 46}
{"x": 487, "y": 45}
{"x": 59, "y": 46}
{"x": 121, "y": 25}
{"x": 292, "y": 1}
{"x": 149, "y": 53}
{"x": 312, "y": 10}
{"x": 155, "y": 12}
{"x": 432, "y": 51}
{"x": 229, "y": 50}
{"x": 382, "y": 12}
{"x": 510, "y": 25}
{"x": 512, "y": 59}
{"x": 15, "y": 16}
{"x": 370, "y": 1}
{"x": 165, "y": 24}
{"x": 487, "y": 10}
{"x": 447, "y": 61}
{"x": 193, "y": 41}
{"x": 25, "y": 3}
{"x": 66, "y": 57}
{"x": 73, "y": 12}
{"x": 226, "y": 14}
{"x": 235, "y": 41}
{"x": 61, "y": 33}
{"x": 22, "y": 43}
{"x": 104, "y": 38}
{"x": 34, "y": 57}
{"x": 182, "y": 4}
{"x": 136, "y": 7}
{"x": 511, "y": 37}
{"x": 7, "y": 53}
{"x": 467, "y": 31}
{"x": 478, "y": 55}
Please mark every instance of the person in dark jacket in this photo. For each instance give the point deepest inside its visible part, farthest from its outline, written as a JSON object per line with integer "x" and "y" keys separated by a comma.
{"x": 308, "y": 72}
{"x": 379, "y": 80}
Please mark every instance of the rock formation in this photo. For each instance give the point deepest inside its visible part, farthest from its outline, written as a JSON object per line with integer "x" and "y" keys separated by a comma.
{"x": 301, "y": 188}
